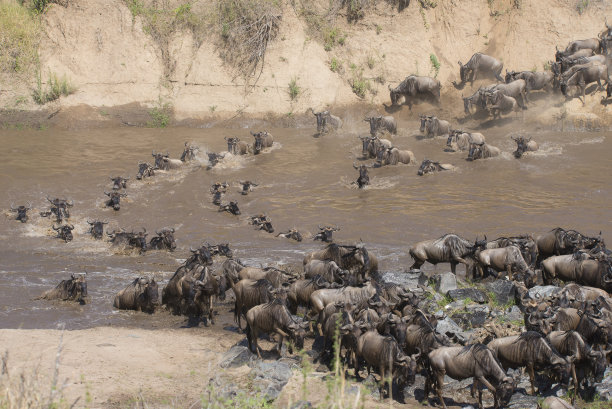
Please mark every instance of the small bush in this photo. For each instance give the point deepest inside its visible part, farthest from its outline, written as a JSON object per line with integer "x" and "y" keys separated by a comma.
{"x": 55, "y": 88}
{"x": 435, "y": 64}
{"x": 371, "y": 62}
{"x": 334, "y": 64}
{"x": 332, "y": 37}
{"x": 582, "y": 6}
{"x": 359, "y": 84}
{"x": 160, "y": 115}
{"x": 378, "y": 29}
{"x": 294, "y": 89}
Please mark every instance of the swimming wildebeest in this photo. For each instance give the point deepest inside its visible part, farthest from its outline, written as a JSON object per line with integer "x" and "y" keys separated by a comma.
{"x": 394, "y": 156}
{"x": 74, "y": 289}
{"x": 221, "y": 249}
{"x": 371, "y": 144}
{"x": 381, "y": 124}
{"x": 189, "y": 153}
{"x": 428, "y": 166}
{"x": 145, "y": 170}
{"x": 583, "y": 77}
{"x": 141, "y": 295}
{"x": 163, "y": 161}
{"x": 274, "y": 317}
{"x": 472, "y": 361}
{"x": 529, "y": 349}
{"x": 415, "y": 87}
{"x": 480, "y": 63}
{"x": 97, "y": 228}
{"x": 449, "y": 248}
{"x": 325, "y": 233}
{"x": 460, "y": 141}
{"x": 523, "y": 145}
{"x": 22, "y": 212}
{"x": 218, "y": 190}
{"x": 291, "y": 234}
{"x": 114, "y": 199}
{"x": 324, "y": 118}
{"x": 164, "y": 240}
{"x": 129, "y": 239}
{"x": 262, "y": 222}
{"x": 247, "y": 187}
{"x": 231, "y": 207}
{"x": 64, "y": 232}
{"x": 59, "y": 207}
{"x": 363, "y": 179}
{"x": 482, "y": 151}
{"x": 213, "y": 159}
{"x": 432, "y": 126}
{"x": 262, "y": 140}
{"x": 119, "y": 182}
{"x": 237, "y": 147}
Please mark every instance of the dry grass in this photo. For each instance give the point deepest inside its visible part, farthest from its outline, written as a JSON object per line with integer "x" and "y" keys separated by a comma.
{"x": 19, "y": 38}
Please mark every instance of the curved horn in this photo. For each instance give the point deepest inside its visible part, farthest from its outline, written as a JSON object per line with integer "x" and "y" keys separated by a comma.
{"x": 55, "y": 228}
{"x": 13, "y": 207}
{"x": 71, "y": 226}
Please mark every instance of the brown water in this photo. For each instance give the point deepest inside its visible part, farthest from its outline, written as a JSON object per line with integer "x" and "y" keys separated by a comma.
{"x": 303, "y": 181}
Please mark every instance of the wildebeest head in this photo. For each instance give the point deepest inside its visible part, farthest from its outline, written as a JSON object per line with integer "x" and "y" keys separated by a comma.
{"x": 201, "y": 256}
{"x": 64, "y": 232}
{"x": 59, "y": 207}
{"x": 214, "y": 158}
{"x": 79, "y": 286}
{"x": 114, "y": 199}
{"x": 291, "y": 234}
{"x": 406, "y": 369}
{"x": 375, "y": 124}
{"x": 325, "y": 233}
{"x": 423, "y": 119}
{"x": 247, "y": 187}
{"x": 119, "y": 182}
{"x": 164, "y": 239}
{"x": 148, "y": 293}
{"x": 258, "y": 145}
{"x": 189, "y": 153}
{"x": 428, "y": 166}
{"x": 97, "y": 228}
{"x": 159, "y": 159}
{"x": 21, "y": 211}
{"x": 231, "y": 144}
{"x": 521, "y": 146}
{"x": 510, "y": 76}
{"x": 504, "y": 391}
{"x": 222, "y": 249}
{"x": 321, "y": 120}
{"x": 231, "y": 207}
{"x": 145, "y": 170}
{"x": 364, "y": 178}
{"x": 297, "y": 332}
{"x": 262, "y": 222}
{"x": 365, "y": 144}
{"x": 475, "y": 151}
{"x": 139, "y": 239}
{"x": 463, "y": 71}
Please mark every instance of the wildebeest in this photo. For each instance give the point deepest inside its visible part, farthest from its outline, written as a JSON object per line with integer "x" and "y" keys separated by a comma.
{"x": 247, "y": 186}
{"x": 236, "y": 271}
{"x": 347, "y": 257}
{"x": 231, "y": 207}
{"x": 567, "y": 63}
{"x": 119, "y": 182}
{"x": 263, "y": 140}
{"x": 585, "y": 76}
{"x": 592, "y": 44}
{"x": 432, "y": 126}
{"x": 516, "y": 89}
{"x": 363, "y": 179}
{"x": 213, "y": 159}
{"x": 474, "y": 100}
{"x": 97, "y": 228}
{"x": 164, "y": 240}
{"x": 448, "y": 248}
{"x": 507, "y": 258}
{"x": 371, "y": 144}
{"x": 428, "y": 166}
{"x": 482, "y": 151}
{"x": 394, "y": 156}
{"x": 114, "y": 199}
{"x": 497, "y": 103}
{"x": 74, "y": 289}
{"x": 480, "y": 63}
{"x": 460, "y": 141}
{"x": 145, "y": 170}
{"x": 205, "y": 290}
{"x": 324, "y": 118}
{"x": 414, "y": 87}
{"x": 381, "y": 124}
{"x": 325, "y": 233}
{"x": 237, "y": 147}
{"x": 163, "y": 161}
{"x": 64, "y": 232}
{"x": 590, "y": 272}
{"x": 202, "y": 256}
{"x": 141, "y": 295}
{"x": 534, "y": 80}
{"x": 299, "y": 292}
{"x": 274, "y": 317}
{"x": 558, "y": 241}
{"x": 178, "y": 293}
{"x": 525, "y": 243}
{"x": 262, "y": 222}
{"x": 218, "y": 190}
{"x": 529, "y": 349}
{"x": 22, "y": 212}
{"x": 523, "y": 145}
{"x": 189, "y": 152}
{"x": 291, "y": 234}
{"x": 422, "y": 336}
{"x": 472, "y": 361}
{"x": 356, "y": 295}
{"x": 327, "y": 269}
{"x": 59, "y": 207}
{"x": 221, "y": 249}
{"x": 129, "y": 239}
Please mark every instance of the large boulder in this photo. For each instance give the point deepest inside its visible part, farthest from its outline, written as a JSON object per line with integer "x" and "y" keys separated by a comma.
{"x": 450, "y": 328}
{"x": 520, "y": 401}
{"x": 465, "y": 293}
{"x": 236, "y": 356}
{"x": 543, "y": 291}
{"x": 503, "y": 290}
{"x": 411, "y": 279}
{"x": 474, "y": 316}
{"x": 604, "y": 388}
{"x": 270, "y": 378}
{"x": 445, "y": 282}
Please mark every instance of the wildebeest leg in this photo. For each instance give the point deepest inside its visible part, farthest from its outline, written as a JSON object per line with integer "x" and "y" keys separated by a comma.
{"x": 583, "y": 87}
{"x": 440, "y": 384}
{"x": 509, "y": 269}
{"x": 490, "y": 387}
{"x": 417, "y": 264}
{"x": 531, "y": 377}
{"x": 575, "y": 383}
{"x": 453, "y": 266}
{"x": 474, "y": 388}
{"x": 211, "y": 317}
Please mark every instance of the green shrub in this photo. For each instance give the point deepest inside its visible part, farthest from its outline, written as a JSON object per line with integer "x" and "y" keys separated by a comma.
{"x": 582, "y": 6}
{"x": 294, "y": 89}
{"x": 55, "y": 88}
{"x": 435, "y": 64}
{"x": 334, "y": 64}
{"x": 160, "y": 115}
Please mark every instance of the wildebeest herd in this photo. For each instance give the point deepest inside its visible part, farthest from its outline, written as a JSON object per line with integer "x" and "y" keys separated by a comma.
{"x": 343, "y": 298}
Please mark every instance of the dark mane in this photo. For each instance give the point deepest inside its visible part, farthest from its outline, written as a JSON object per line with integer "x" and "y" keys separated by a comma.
{"x": 529, "y": 336}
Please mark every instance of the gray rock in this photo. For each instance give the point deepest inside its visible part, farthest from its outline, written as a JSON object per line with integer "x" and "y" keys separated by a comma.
{"x": 450, "y": 328}
{"x": 471, "y": 293}
{"x": 520, "y": 401}
{"x": 455, "y": 305}
{"x": 445, "y": 282}
{"x": 270, "y": 378}
{"x": 470, "y": 319}
{"x": 604, "y": 388}
{"x": 302, "y": 404}
{"x": 237, "y": 356}
{"x": 410, "y": 280}
{"x": 543, "y": 291}
{"x": 514, "y": 314}
{"x": 503, "y": 290}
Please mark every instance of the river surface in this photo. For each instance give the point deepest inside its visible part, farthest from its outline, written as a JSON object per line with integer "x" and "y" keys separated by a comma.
{"x": 303, "y": 182}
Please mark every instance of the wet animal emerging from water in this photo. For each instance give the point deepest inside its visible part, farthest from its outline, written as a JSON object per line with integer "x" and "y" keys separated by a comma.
{"x": 449, "y": 248}
{"x": 218, "y": 190}
{"x": 214, "y": 159}
{"x": 262, "y": 140}
{"x": 324, "y": 118}
{"x": 428, "y": 166}
{"x": 64, "y": 232}
{"x": 524, "y": 145}
{"x": 237, "y": 147}
{"x": 163, "y": 161}
{"x": 145, "y": 170}
{"x": 119, "y": 182}
{"x": 460, "y": 141}
{"x": 325, "y": 233}
{"x": 247, "y": 186}
{"x": 114, "y": 199}
{"x": 129, "y": 239}
{"x": 59, "y": 207}
{"x": 381, "y": 124}
{"x": 292, "y": 234}
{"x": 164, "y": 240}
{"x": 364, "y": 179}
{"x": 22, "y": 212}
{"x": 482, "y": 151}
{"x": 262, "y": 222}
{"x": 414, "y": 87}
{"x": 327, "y": 269}
{"x": 480, "y": 64}
{"x": 432, "y": 126}
{"x": 394, "y": 156}
{"x": 97, "y": 229}
{"x": 347, "y": 257}
{"x": 371, "y": 144}
{"x": 73, "y": 289}
{"x": 231, "y": 207}
{"x": 141, "y": 295}
{"x": 189, "y": 152}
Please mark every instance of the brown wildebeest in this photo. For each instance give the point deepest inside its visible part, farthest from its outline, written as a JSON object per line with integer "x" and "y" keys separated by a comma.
{"x": 141, "y": 295}
{"x": 449, "y": 248}
{"x": 74, "y": 289}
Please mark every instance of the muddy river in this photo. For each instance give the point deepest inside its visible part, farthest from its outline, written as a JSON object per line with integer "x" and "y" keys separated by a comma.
{"x": 303, "y": 181}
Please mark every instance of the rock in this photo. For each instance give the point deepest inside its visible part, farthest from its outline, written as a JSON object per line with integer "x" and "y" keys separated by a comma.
{"x": 237, "y": 356}
{"x": 301, "y": 404}
{"x": 514, "y": 314}
{"x": 503, "y": 290}
{"x": 474, "y": 316}
{"x": 416, "y": 389}
{"x": 445, "y": 282}
{"x": 450, "y": 328}
{"x": 604, "y": 388}
{"x": 270, "y": 378}
{"x": 410, "y": 280}
{"x": 543, "y": 291}
{"x": 520, "y": 401}
{"x": 455, "y": 305}
{"x": 471, "y": 293}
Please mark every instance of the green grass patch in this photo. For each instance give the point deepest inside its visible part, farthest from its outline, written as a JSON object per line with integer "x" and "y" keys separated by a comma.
{"x": 334, "y": 64}
{"x": 56, "y": 87}
{"x": 294, "y": 89}
{"x": 160, "y": 115}
{"x": 20, "y": 31}
{"x": 435, "y": 64}
{"x": 582, "y": 6}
